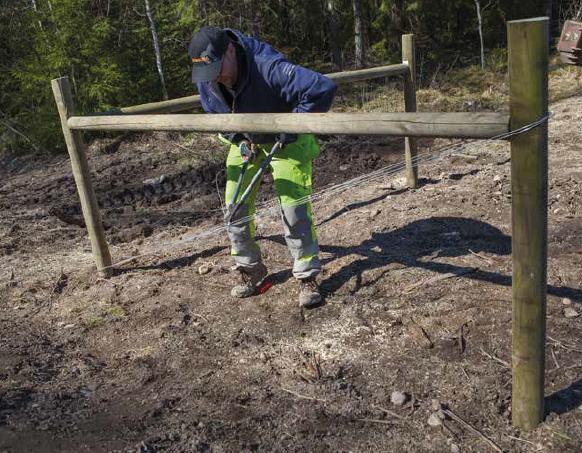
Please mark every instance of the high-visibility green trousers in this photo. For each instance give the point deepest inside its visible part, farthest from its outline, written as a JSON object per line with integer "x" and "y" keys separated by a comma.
{"x": 292, "y": 168}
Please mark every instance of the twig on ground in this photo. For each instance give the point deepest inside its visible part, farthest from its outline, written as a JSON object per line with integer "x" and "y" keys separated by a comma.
{"x": 304, "y": 397}
{"x": 571, "y": 367}
{"x": 465, "y": 156}
{"x": 497, "y": 359}
{"x": 465, "y": 373}
{"x": 562, "y": 345}
{"x": 555, "y": 358}
{"x": 484, "y": 258}
{"x": 458, "y": 419}
{"x": 526, "y": 441}
{"x": 450, "y": 431}
{"x": 373, "y": 420}
{"x": 389, "y": 412}
{"x": 430, "y": 343}
{"x": 198, "y": 315}
{"x": 437, "y": 278}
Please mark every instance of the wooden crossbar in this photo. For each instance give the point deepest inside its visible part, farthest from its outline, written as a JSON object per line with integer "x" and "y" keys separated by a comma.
{"x": 413, "y": 124}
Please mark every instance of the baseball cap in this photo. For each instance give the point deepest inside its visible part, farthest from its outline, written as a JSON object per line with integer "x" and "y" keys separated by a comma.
{"x": 206, "y": 50}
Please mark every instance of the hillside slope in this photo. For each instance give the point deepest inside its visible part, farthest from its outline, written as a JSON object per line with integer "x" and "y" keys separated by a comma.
{"x": 161, "y": 358}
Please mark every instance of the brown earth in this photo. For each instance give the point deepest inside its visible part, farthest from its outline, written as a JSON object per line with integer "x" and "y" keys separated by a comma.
{"x": 159, "y": 357}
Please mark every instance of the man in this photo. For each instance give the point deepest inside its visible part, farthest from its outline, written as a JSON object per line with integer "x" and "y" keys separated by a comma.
{"x": 239, "y": 74}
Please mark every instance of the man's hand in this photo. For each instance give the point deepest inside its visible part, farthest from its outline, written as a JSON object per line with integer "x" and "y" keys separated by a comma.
{"x": 246, "y": 149}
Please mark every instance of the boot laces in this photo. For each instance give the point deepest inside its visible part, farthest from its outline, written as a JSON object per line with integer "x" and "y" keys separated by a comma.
{"x": 309, "y": 285}
{"x": 245, "y": 276}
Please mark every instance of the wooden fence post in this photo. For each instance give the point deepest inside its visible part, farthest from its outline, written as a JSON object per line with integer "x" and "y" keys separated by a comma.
{"x": 76, "y": 148}
{"x": 528, "y": 80}
{"x": 409, "y": 57}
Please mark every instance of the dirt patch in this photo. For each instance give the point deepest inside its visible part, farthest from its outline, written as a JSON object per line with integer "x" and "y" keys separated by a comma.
{"x": 160, "y": 358}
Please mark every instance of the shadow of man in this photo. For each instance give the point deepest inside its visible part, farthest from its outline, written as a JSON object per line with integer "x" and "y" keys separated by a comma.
{"x": 447, "y": 236}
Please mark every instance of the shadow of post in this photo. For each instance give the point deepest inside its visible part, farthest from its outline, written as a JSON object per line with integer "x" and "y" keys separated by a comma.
{"x": 565, "y": 400}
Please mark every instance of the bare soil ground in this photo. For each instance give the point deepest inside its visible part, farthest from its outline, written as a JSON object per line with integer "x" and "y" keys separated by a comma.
{"x": 159, "y": 357}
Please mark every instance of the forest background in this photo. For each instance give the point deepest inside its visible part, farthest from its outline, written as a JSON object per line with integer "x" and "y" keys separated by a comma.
{"x": 127, "y": 52}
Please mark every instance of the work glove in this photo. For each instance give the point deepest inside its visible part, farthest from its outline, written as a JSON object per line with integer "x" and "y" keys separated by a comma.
{"x": 246, "y": 149}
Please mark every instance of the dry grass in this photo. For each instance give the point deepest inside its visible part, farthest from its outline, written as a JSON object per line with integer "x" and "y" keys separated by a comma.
{"x": 457, "y": 90}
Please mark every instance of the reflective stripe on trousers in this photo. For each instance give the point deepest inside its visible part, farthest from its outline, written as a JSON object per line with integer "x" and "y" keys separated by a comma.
{"x": 292, "y": 169}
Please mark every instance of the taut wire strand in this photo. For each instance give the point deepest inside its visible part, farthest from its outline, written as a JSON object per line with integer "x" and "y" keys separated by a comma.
{"x": 271, "y": 206}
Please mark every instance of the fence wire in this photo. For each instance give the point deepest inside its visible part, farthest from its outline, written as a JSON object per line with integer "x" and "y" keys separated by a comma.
{"x": 271, "y": 207}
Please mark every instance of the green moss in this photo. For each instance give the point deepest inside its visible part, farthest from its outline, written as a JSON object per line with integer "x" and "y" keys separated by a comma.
{"x": 93, "y": 322}
{"x": 116, "y": 312}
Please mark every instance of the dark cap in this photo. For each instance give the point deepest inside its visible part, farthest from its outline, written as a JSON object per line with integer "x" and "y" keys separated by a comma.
{"x": 206, "y": 50}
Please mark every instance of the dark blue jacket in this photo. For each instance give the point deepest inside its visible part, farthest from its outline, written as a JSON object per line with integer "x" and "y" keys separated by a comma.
{"x": 268, "y": 83}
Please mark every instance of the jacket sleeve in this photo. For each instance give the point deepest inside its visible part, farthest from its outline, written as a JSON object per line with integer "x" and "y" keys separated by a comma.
{"x": 203, "y": 89}
{"x": 305, "y": 90}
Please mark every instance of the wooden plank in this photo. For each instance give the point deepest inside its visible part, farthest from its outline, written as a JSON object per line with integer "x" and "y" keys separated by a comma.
{"x": 191, "y": 102}
{"x": 170, "y": 106}
{"x": 76, "y": 148}
{"x": 465, "y": 125}
{"x": 528, "y": 79}
{"x": 410, "y": 148}
{"x": 368, "y": 74}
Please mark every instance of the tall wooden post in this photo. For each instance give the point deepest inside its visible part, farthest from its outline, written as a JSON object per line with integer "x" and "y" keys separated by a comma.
{"x": 76, "y": 148}
{"x": 409, "y": 57}
{"x": 528, "y": 80}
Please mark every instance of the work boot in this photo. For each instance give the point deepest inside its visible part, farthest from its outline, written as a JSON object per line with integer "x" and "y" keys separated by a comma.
{"x": 309, "y": 295}
{"x": 251, "y": 278}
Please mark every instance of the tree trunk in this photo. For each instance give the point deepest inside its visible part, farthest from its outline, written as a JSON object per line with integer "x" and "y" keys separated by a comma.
{"x": 548, "y": 9}
{"x": 336, "y": 56}
{"x": 359, "y": 35}
{"x": 156, "y": 48}
{"x": 284, "y": 14}
{"x": 480, "y": 26}
{"x": 398, "y": 17}
{"x": 34, "y": 7}
{"x": 254, "y": 18}
{"x": 203, "y": 7}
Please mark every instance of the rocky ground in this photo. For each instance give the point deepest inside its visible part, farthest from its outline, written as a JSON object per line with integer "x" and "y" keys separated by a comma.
{"x": 417, "y": 312}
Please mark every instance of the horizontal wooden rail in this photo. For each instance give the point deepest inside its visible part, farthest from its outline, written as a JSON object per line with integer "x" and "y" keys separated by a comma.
{"x": 460, "y": 125}
{"x": 170, "y": 106}
{"x": 368, "y": 74}
{"x": 191, "y": 102}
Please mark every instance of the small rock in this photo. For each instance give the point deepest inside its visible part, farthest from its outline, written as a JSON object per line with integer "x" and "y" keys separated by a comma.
{"x": 434, "y": 420}
{"x": 344, "y": 167}
{"x": 204, "y": 269}
{"x": 567, "y": 301}
{"x": 398, "y": 398}
{"x": 264, "y": 358}
{"x": 435, "y": 405}
{"x": 455, "y": 448}
{"x": 497, "y": 178}
{"x": 69, "y": 326}
{"x": 569, "y": 312}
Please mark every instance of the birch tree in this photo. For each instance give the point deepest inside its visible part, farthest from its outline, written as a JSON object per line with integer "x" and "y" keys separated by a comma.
{"x": 359, "y": 34}
{"x": 480, "y": 27}
{"x": 152, "y": 23}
